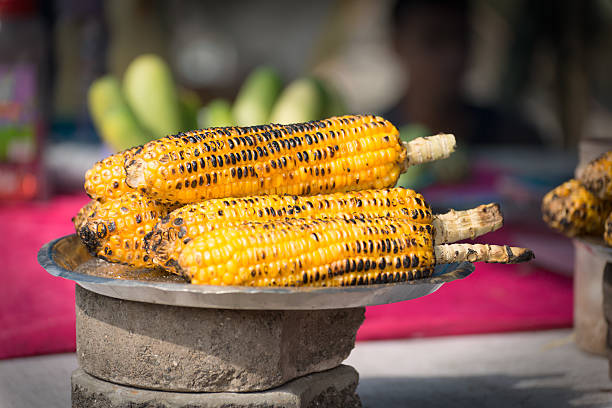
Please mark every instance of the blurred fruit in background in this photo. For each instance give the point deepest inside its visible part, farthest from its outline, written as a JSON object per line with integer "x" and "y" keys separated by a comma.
{"x": 256, "y": 97}
{"x": 217, "y": 113}
{"x": 262, "y": 99}
{"x": 146, "y": 106}
{"x": 151, "y": 92}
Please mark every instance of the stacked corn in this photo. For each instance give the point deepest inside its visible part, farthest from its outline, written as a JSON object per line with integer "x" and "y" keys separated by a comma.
{"x": 324, "y": 214}
{"x": 583, "y": 206}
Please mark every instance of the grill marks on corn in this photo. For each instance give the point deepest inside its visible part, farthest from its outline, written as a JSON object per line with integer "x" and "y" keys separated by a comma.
{"x": 311, "y": 252}
{"x": 165, "y": 243}
{"x": 336, "y": 154}
{"x": 116, "y": 230}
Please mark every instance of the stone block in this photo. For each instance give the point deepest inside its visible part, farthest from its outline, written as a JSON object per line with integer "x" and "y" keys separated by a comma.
{"x": 332, "y": 388}
{"x": 187, "y": 349}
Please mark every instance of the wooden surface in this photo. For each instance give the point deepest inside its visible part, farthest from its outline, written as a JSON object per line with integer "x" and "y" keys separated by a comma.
{"x": 535, "y": 369}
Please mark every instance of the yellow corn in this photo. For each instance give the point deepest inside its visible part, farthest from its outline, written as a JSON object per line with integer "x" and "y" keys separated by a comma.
{"x": 338, "y": 154}
{"x": 573, "y": 210}
{"x": 115, "y": 230}
{"x": 172, "y": 233}
{"x": 311, "y": 252}
{"x": 597, "y": 176}
{"x": 106, "y": 179}
{"x": 84, "y": 212}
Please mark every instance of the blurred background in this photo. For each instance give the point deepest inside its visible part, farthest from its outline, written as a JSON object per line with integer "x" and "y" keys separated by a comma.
{"x": 524, "y": 85}
{"x": 517, "y": 73}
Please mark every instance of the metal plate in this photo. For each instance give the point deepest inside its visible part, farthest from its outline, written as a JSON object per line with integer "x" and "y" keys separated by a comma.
{"x": 66, "y": 257}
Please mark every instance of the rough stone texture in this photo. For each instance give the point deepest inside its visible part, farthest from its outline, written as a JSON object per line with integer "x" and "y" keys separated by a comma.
{"x": 207, "y": 350}
{"x": 332, "y": 388}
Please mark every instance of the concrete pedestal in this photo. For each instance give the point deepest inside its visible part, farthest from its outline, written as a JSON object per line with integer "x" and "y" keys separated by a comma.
{"x": 333, "y": 388}
{"x": 172, "y": 348}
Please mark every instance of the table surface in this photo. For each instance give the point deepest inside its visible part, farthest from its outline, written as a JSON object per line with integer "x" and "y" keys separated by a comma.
{"x": 535, "y": 369}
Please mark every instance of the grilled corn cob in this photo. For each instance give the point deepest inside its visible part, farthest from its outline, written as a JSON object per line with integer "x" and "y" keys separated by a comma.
{"x": 106, "y": 179}
{"x": 338, "y": 154}
{"x": 115, "y": 230}
{"x": 323, "y": 252}
{"x": 573, "y": 210}
{"x": 597, "y": 176}
{"x": 319, "y": 252}
{"x": 84, "y": 212}
{"x": 173, "y": 232}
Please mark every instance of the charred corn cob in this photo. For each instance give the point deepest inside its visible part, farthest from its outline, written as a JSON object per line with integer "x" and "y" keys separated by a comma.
{"x": 324, "y": 252}
{"x": 597, "y": 176}
{"x": 115, "y": 230}
{"x": 106, "y": 179}
{"x": 316, "y": 252}
{"x": 573, "y": 210}
{"x": 179, "y": 227}
{"x": 84, "y": 212}
{"x": 173, "y": 232}
{"x": 338, "y": 154}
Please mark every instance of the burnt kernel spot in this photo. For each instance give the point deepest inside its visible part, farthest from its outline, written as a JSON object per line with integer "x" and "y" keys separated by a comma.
{"x": 415, "y": 261}
{"x": 304, "y": 278}
{"x": 382, "y": 264}
{"x": 111, "y": 226}
{"x": 188, "y": 166}
{"x": 101, "y": 230}
{"x": 194, "y": 183}
{"x": 124, "y": 210}
{"x": 115, "y": 184}
{"x": 398, "y": 262}
{"x": 138, "y": 218}
{"x": 186, "y": 183}
{"x": 182, "y": 232}
{"x": 406, "y": 261}
{"x": 208, "y": 179}
{"x": 178, "y": 221}
{"x": 213, "y": 160}
{"x": 201, "y": 180}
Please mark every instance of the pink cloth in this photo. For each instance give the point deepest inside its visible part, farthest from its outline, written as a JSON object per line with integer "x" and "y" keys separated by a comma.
{"x": 494, "y": 298}
{"x": 37, "y": 309}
